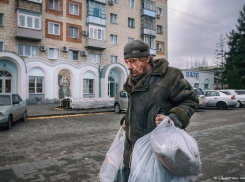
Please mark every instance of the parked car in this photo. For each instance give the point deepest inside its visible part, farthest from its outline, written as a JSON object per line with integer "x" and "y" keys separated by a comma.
{"x": 240, "y": 97}
{"x": 121, "y": 101}
{"x": 12, "y": 108}
{"x": 201, "y": 97}
{"x": 219, "y": 99}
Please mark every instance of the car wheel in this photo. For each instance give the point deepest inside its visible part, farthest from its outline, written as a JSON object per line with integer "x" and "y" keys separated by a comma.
{"x": 239, "y": 104}
{"x": 24, "y": 117}
{"x": 221, "y": 105}
{"x": 9, "y": 124}
{"x": 117, "y": 108}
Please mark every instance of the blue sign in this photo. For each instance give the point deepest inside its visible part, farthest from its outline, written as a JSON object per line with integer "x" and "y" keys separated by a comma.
{"x": 192, "y": 74}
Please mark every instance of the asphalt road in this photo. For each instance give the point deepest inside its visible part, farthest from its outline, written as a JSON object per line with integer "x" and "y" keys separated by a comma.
{"x": 73, "y": 148}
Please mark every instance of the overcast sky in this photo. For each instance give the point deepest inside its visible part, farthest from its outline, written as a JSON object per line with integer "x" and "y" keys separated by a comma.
{"x": 212, "y": 17}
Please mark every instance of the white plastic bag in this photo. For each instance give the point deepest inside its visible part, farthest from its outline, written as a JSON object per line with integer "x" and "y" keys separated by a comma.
{"x": 145, "y": 167}
{"x": 176, "y": 150}
{"x": 113, "y": 162}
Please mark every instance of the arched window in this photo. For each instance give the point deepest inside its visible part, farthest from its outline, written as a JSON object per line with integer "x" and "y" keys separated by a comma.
{"x": 196, "y": 83}
{"x": 36, "y": 80}
{"x": 206, "y": 84}
{"x": 5, "y": 81}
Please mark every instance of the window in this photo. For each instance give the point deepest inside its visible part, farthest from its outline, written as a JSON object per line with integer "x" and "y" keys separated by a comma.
{"x": 35, "y": 84}
{"x": 1, "y": 19}
{"x": 115, "y": 1}
{"x": 159, "y": 47}
{"x": 131, "y": 22}
{"x": 131, "y": 3}
{"x": 96, "y": 32}
{"x": 94, "y": 58}
{"x": 159, "y": 11}
{"x": 54, "y": 4}
{"x": 53, "y": 53}
{"x": 73, "y": 32}
{"x": 88, "y": 86}
{"x": 27, "y": 50}
{"x": 96, "y": 9}
{"x": 150, "y": 5}
{"x": 113, "y": 59}
{"x": 130, "y": 39}
{"x": 196, "y": 85}
{"x": 73, "y": 55}
{"x": 159, "y": 29}
{"x": 151, "y": 41}
{"x": 1, "y": 46}
{"x": 74, "y": 9}
{"x": 206, "y": 86}
{"x": 113, "y": 39}
{"x": 36, "y": 1}
{"x": 29, "y": 20}
{"x": 113, "y": 18}
{"x": 148, "y": 22}
{"x": 54, "y": 28}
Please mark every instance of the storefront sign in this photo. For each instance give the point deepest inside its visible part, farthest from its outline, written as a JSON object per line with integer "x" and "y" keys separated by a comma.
{"x": 192, "y": 74}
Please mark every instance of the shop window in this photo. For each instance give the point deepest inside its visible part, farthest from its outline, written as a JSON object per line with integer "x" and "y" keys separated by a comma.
{"x": 88, "y": 86}
{"x": 35, "y": 84}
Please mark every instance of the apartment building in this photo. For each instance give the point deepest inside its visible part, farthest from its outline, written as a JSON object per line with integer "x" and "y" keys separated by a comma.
{"x": 74, "y": 48}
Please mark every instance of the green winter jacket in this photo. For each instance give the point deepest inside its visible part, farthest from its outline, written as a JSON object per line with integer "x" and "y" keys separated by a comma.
{"x": 162, "y": 91}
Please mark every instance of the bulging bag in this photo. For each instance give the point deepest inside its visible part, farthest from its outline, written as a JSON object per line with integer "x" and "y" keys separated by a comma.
{"x": 145, "y": 167}
{"x": 176, "y": 150}
{"x": 112, "y": 167}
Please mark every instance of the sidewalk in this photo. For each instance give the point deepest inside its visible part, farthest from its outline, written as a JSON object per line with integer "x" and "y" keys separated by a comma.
{"x": 53, "y": 110}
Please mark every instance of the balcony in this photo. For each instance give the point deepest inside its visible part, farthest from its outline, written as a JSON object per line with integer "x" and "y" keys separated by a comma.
{"x": 95, "y": 20}
{"x": 146, "y": 31}
{"x": 100, "y": 1}
{"x": 153, "y": 52}
{"x": 148, "y": 13}
{"x": 96, "y": 44}
{"x": 26, "y": 33}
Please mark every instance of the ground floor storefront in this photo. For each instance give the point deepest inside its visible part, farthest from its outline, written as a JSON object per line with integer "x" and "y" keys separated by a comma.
{"x": 52, "y": 81}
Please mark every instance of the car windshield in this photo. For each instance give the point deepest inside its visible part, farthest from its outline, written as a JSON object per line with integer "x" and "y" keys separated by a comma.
{"x": 5, "y": 100}
{"x": 198, "y": 91}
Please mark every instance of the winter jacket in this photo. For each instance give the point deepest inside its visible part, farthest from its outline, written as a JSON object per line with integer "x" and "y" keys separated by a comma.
{"x": 162, "y": 91}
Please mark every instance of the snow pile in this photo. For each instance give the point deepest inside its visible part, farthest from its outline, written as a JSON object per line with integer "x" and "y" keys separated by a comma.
{"x": 89, "y": 103}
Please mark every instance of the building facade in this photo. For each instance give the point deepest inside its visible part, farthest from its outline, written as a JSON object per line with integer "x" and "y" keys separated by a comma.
{"x": 74, "y": 48}
{"x": 199, "y": 79}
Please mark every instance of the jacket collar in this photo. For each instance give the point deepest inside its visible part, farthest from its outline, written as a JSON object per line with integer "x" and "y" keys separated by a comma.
{"x": 159, "y": 68}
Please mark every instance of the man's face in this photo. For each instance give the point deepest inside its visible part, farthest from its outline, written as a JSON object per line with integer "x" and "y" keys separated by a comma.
{"x": 136, "y": 67}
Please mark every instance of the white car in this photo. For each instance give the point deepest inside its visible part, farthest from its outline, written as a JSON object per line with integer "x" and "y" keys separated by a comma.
{"x": 240, "y": 97}
{"x": 219, "y": 99}
{"x": 12, "y": 108}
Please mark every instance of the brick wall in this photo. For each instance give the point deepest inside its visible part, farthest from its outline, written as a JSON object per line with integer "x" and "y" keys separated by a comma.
{"x": 79, "y": 40}
{"x": 60, "y": 12}
{"x": 51, "y": 36}
{"x": 71, "y": 15}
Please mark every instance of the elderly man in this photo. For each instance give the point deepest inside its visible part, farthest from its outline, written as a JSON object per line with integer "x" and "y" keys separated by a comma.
{"x": 155, "y": 91}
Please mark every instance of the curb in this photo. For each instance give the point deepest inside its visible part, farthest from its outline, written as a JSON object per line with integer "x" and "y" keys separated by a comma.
{"x": 67, "y": 113}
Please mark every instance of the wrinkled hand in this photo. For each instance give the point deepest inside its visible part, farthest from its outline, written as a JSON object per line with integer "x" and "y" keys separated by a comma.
{"x": 124, "y": 125}
{"x": 159, "y": 119}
